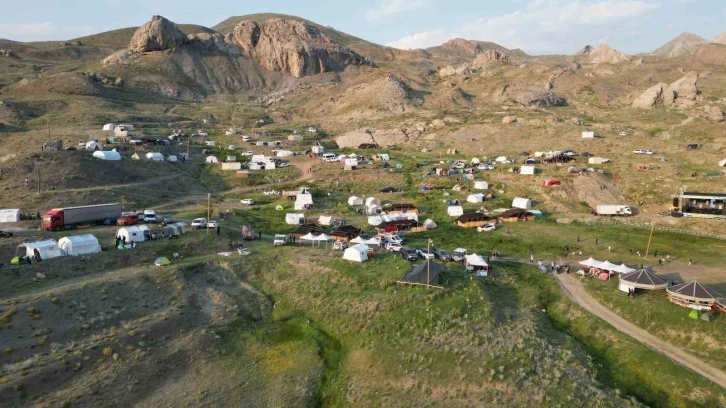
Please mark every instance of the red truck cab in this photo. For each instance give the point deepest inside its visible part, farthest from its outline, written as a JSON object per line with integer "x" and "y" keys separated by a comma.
{"x": 127, "y": 219}
{"x": 52, "y": 220}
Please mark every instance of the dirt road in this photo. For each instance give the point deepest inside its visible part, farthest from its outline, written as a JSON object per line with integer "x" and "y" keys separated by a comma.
{"x": 573, "y": 289}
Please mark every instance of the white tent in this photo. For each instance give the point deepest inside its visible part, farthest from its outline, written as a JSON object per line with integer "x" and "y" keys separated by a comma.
{"x": 598, "y": 160}
{"x": 588, "y": 135}
{"x": 357, "y": 240}
{"x": 353, "y": 200}
{"x": 294, "y": 219}
{"x": 356, "y": 253}
{"x": 527, "y": 170}
{"x": 303, "y": 200}
{"x": 325, "y": 220}
{"x": 10, "y": 215}
{"x": 501, "y": 159}
{"x": 608, "y": 266}
{"x": 134, "y": 233}
{"x": 475, "y": 198}
{"x": 455, "y": 211}
{"x": 373, "y": 202}
{"x": 373, "y": 210}
{"x": 591, "y": 263}
{"x": 109, "y": 126}
{"x": 323, "y": 238}
{"x": 623, "y": 269}
{"x": 374, "y": 241}
{"x": 107, "y": 155}
{"x": 283, "y": 153}
{"x": 430, "y": 224}
{"x": 47, "y": 249}
{"x": 154, "y": 156}
{"x": 475, "y": 260}
{"x": 481, "y": 185}
{"x": 79, "y": 245}
{"x": 211, "y": 159}
{"x": 93, "y": 145}
{"x": 722, "y": 163}
{"x": 475, "y": 160}
{"x": 172, "y": 158}
{"x": 522, "y": 203}
{"x": 307, "y": 237}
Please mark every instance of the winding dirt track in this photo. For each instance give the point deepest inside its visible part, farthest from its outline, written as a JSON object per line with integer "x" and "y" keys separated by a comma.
{"x": 573, "y": 289}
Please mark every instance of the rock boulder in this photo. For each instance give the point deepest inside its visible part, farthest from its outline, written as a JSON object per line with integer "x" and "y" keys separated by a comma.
{"x": 528, "y": 95}
{"x": 605, "y": 54}
{"x": 8, "y": 54}
{"x": 157, "y": 35}
{"x": 657, "y": 95}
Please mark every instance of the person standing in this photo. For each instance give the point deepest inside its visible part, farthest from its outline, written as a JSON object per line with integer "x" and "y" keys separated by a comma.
{"x": 531, "y": 258}
{"x": 218, "y": 229}
{"x": 690, "y": 261}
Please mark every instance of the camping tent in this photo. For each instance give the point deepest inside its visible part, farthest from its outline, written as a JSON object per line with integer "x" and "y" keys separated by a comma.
{"x": 357, "y": 240}
{"x": 356, "y": 253}
{"x": 481, "y": 185}
{"x": 171, "y": 230}
{"x": 302, "y": 201}
{"x": 426, "y": 273}
{"x": 10, "y": 215}
{"x": 475, "y": 160}
{"x": 550, "y": 182}
{"x": 527, "y": 170}
{"x": 154, "y": 156}
{"x": 722, "y": 163}
{"x": 47, "y": 249}
{"x": 695, "y": 314}
{"x": 591, "y": 263}
{"x": 353, "y": 200}
{"x": 588, "y": 135}
{"x": 135, "y": 233}
{"x": 162, "y": 261}
{"x": 597, "y": 160}
{"x": 325, "y": 220}
{"x": 294, "y": 219}
{"x": 109, "y": 126}
{"x": 172, "y": 158}
{"x": 372, "y": 202}
{"x": 522, "y": 203}
{"x": 181, "y": 226}
{"x": 93, "y": 145}
{"x": 642, "y": 279}
{"x": 79, "y": 245}
{"x": 107, "y": 155}
{"x": 501, "y": 159}
{"x": 455, "y": 210}
{"x": 295, "y": 138}
{"x": 211, "y": 159}
{"x": 475, "y": 198}
{"x": 477, "y": 264}
{"x": 624, "y": 269}
{"x": 430, "y": 224}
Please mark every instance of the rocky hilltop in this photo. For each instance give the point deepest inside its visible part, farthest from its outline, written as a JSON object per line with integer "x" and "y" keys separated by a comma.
{"x": 684, "y": 44}
{"x": 605, "y": 54}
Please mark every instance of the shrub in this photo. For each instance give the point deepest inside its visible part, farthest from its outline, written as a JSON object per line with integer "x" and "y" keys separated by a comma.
{"x": 107, "y": 351}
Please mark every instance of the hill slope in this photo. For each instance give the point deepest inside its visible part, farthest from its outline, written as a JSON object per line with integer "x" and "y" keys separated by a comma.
{"x": 684, "y": 44}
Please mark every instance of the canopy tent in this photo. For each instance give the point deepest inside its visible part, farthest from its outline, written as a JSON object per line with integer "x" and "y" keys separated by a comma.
{"x": 642, "y": 279}
{"x": 323, "y": 237}
{"x": 455, "y": 211}
{"x": 294, "y": 219}
{"x": 481, "y": 185}
{"x": 135, "y": 233}
{"x": 93, "y": 145}
{"x": 590, "y": 262}
{"x": 475, "y": 198}
{"x": 695, "y": 292}
{"x": 623, "y": 269}
{"x": 47, "y": 249}
{"x": 107, "y": 155}
{"x": 307, "y": 237}
{"x": 211, "y": 160}
{"x": 426, "y": 273}
{"x": 79, "y": 245}
{"x": 430, "y": 224}
{"x": 608, "y": 266}
{"x": 353, "y": 200}
{"x": 10, "y": 215}
{"x": 374, "y": 241}
{"x": 162, "y": 261}
{"x": 476, "y": 263}
{"x": 356, "y": 253}
{"x": 357, "y": 240}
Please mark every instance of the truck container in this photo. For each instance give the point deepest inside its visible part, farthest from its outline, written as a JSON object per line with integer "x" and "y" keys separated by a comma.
{"x": 292, "y": 194}
{"x": 74, "y": 217}
{"x": 613, "y": 209}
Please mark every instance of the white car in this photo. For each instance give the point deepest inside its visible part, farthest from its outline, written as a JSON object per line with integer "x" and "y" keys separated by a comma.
{"x": 486, "y": 227}
{"x": 149, "y": 216}
{"x": 458, "y": 165}
{"x": 246, "y": 138}
{"x": 199, "y": 223}
{"x": 332, "y": 159}
{"x": 283, "y": 164}
{"x": 212, "y": 224}
{"x": 393, "y": 238}
{"x": 231, "y": 147}
{"x": 639, "y": 151}
{"x": 394, "y": 246}
{"x": 485, "y": 167}
{"x": 248, "y": 153}
{"x": 648, "y": 152}
{"x": 623, "y": 133}
{"x": 247, "y": 201}
{"x": 425, "y": 253}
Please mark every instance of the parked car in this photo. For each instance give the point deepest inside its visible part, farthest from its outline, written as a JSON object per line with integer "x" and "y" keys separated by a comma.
{"x": 442, "y": 255}
{"x": 212, "y": 224}
{"x": 408, "y": 254}
{"x": 71, "y": 149}
{"x": 648, "y": 152}
{"x": 283, "y": 164}
{"x": 392, "y": 238}
{"x": 485, "y": 166}
{"x": 569, "y": 153}
{"x": 623, "y": 133}
{"x": 246, "y": 138}
{"x": 458, "y": 165}
{"x": 425, "y": 253}
{"x": 639, "y": 151}
{"x": 127, "y": 220}
{"x": 280, "y": 239}
{"x": 586, "y": 154}
{"x": 199, "y": 223}
{"x": 150, "y": 216}
{"x": 391, "y": 190}
{"x": 247, "y": 201}
{"x": 486, "y": 227}
{"x": 340, "y": 245}
{"x": 393, "y": 246}
{"x": 167, "y": 218}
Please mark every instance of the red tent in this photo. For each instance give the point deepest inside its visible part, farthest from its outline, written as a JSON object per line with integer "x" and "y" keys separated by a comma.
{"x": 550, "y": 182}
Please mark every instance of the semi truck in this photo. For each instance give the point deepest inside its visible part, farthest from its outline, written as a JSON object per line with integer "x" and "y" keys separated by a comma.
{"x": 613, "y": 209}
{"x": 74, "y": 217}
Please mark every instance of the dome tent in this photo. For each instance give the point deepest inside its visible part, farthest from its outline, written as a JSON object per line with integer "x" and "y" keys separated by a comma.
{"x": 107, "y": 155}
{"x": 162, "y": 261}
{"x": 356, "y": 253}
{"x": 79, "y": 245}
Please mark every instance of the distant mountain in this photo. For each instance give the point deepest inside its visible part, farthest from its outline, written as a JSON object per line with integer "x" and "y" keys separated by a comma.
{"x": 684, "y": 44}
{"x": 606, "y": 54}
{"x": 721, "y": 38}
{"x": 459, "y": 50}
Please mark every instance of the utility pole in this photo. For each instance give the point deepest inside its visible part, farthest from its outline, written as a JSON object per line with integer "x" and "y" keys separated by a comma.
{"x": 209, "y": 199}
{"x": 428, "y": 264}
{"x": 189, "y": 141}
{"x": 652, "y": 225}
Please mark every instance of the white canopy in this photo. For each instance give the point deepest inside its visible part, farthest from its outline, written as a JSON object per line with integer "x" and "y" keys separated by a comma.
{"x": 322, "y": 237}
{"x": 353, "y": 200}
{"x": 475, "y": 160}
{"x": 79, "y": 245}
{"x": 10, "y": 215}
{"x": 356, "y": 253}
{"x": 608, "y": 266}
{"x": 591, "y": 263}
{"x": 481, "y": 185}
{"x": 375, "y": 220}
{"x": 475, "y": 260}
{"x": 109, "y": 126}
{"x": 107, "y": 155}
{"x": 47, "y": 249}
{"x": 358, "y": 240}
{"x": 308, "y": 237}
{"x": 475, "y": 198}
{"x": 623, "y": 269}
{"x": 172, "y": 158}
{"x": 455, "y": 211}
{"x": 501, "y": 159}
{"x": 374, "y": 241}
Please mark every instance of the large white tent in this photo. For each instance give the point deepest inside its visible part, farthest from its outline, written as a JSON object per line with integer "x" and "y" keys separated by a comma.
{"x": 430, "y": 224}
{"x": 481, "y": 185}
{"x": 356, "y": 253}
{"x": 135, "y": 233}
{"x": 93, "y": 145}
{"x": 374, "y": 241}
{"x": 79, "y": 245}
{"x": 109, "y": 126}
{"x": 373, "y": 202}
{"x": 608, "y": 266}
{"x": 624, "y": 269}
{"x": 10, "y": 215}
{"x": 294, "y": 219}
{"x": 527, "y": 170}
{"x": 522, "y": 203}
{"x": 47, "y": 249}
{"x": 477, "y": 262}
{"x": 302, "y": 201}
{"x": 475, "y": 198}
{"x": 154, "y": 156}
{"x": 353, "y": 200}
{"x": 455, "y": 211}
{"x": 357, "y": 240}
{"x": 107, "y": 155}
{"x": 591, "y": 263}
{"x": 325, "y": 220}
{"x": 211, "y": 160}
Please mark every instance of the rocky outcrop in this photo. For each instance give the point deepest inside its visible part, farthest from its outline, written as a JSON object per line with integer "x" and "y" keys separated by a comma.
{"x": 684, "y": 44}
{"x": 381, "y": 137}
{"x": 481, "y": 61}
{"x": 292, "y": 46}
{"x": 8, "y": 54}
{"x": 214, "y": 42}
{"x": 120, "y": 57}
{"x": 605, "y": 54}
{"x": 463, "y": 46}
{"x": 389, "y": 94}
{"x": 528, "y": 95}
{"x": 682, "y": 92}
{"x": 587, "y": 50}
{"x": 720, "y": 39}
{"x": 157, "y": 35}
{"x": 492, "y": 56}
{"x": 509, "y": 119}
{"x": 713, "y": 113}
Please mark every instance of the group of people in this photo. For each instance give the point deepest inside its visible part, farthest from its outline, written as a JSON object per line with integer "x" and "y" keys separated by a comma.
{"x": 121, "y": 243}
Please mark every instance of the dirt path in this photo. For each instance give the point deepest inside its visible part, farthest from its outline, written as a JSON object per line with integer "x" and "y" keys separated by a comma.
{"x": 573, "y": 289}
{"x": 113, "y": 187}
{"x": 303, "y": 166}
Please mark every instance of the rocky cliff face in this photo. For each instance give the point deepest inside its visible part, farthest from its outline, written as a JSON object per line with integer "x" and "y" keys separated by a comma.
{"x": 528, "y": 95}
{"x": 463, "y": 46}
{"x": 292, "y": 46}
{"x": 605, "y": 54}
{"x": 157, "y": 35}
{"x": 586, "y": 50}
{"x": 681, "y": 93}
{"x": 684, "y": 44}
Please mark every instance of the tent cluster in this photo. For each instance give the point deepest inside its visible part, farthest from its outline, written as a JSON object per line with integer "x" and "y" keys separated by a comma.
{"x": 604, "y": 270}
{"x": 50, "y": 249}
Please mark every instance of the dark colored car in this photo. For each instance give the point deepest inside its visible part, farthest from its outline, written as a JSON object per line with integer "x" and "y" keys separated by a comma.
{"x": 391, "y": 190}
{"x": 442, "y": 255}
{"x": 367, "y": 146}
{"x": 408, "y": 254}
{"x": 422, "y": 164}
{"x": 6, "y": 234}
{"x": 586, "y": 154}
{"x": 71, "y": 149}
{"x": 524, "y": 153}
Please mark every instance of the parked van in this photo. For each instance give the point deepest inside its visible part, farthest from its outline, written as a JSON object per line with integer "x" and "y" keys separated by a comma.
{"x": 150, "y": 216}
{"x": 330, "y": 157}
